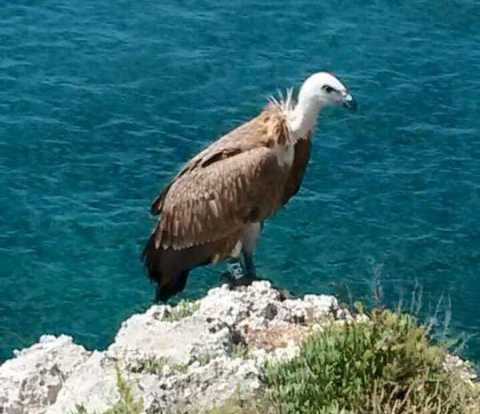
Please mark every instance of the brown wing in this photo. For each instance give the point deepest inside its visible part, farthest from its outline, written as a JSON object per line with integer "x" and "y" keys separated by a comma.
{"x": 302, "y": 155}
{"x": 208, "y": 204}
{"x": 265, "y": 130}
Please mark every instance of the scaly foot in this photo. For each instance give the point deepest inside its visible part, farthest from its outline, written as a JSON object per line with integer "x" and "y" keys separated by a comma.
{"x": 236, "y": 276}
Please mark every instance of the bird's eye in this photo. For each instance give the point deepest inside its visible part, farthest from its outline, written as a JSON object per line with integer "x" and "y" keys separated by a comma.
{"x": 328, "y": 89}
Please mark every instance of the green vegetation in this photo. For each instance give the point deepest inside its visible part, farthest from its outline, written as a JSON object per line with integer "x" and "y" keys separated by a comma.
{"x": 238, "y": 406}
{"x": 125, "y": 405}
{"x": 151, "y": 365}
{"x": 240, "y": 350}
{"x": 155, "y": 366}
{"x": 80, "y": 409}
{"x": 386, "y": 365}
{"x": 204, "y": 359}
{"x": 183, "y": 309}
{"x": 180, "y": 368}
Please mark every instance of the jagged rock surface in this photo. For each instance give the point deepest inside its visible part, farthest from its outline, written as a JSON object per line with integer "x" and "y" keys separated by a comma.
{"x": 32, "y": 380}
{"x": 177, "y": 359}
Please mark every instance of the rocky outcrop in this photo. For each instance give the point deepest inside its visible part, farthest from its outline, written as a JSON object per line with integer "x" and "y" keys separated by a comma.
{"x": 176, "y": 359}
{"x": 31, "y": 381}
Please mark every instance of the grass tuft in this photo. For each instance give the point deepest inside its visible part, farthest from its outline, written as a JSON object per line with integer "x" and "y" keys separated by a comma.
{"x": 237, "y": 405}
{"x": 240, "y": 350}
{"x": 151, "y": 365}
{"x": 182, "y": 310}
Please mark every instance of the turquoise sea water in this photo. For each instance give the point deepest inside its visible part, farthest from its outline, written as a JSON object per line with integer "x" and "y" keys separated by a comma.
{"x": 101, "y": 102}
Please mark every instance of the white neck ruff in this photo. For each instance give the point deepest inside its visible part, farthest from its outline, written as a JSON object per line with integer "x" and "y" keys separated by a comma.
{"x": 301, "y": 116}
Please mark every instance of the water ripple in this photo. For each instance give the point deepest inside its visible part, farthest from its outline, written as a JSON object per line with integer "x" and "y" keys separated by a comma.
{"x": 101, "y": 103}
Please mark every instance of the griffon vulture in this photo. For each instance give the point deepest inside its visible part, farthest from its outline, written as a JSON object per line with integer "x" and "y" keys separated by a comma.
{"x": 213, "y": 209}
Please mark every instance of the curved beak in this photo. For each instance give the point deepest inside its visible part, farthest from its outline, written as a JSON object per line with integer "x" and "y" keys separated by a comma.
{"x": 349, "y": 102}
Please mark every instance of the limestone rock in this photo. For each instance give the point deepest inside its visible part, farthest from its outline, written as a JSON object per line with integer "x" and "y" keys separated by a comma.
{"x": 31, "y": 381}
{"x": 92, "y": 386}
{"x": 192, "y": 356}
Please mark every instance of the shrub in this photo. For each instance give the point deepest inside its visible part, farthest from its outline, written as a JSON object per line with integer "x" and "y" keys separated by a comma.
{"x": 386, "y": 365}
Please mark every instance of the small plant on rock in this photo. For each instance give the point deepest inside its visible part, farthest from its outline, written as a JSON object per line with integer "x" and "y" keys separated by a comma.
{"x": 240, "y": 350}
{"x": 127, "y": 403}
{"x": 182, "y": 310}
{"x": 151, "y": 365}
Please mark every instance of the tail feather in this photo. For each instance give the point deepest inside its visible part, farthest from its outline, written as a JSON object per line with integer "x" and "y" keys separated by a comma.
{"x": 169, "y": 268}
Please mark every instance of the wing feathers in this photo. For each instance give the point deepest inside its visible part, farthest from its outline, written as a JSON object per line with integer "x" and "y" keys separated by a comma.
{"x": 211, "y": 203}
{"x": 233, "y": 181}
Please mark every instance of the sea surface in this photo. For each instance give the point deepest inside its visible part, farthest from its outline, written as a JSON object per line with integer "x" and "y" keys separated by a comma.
{"x": 101, "y": 102}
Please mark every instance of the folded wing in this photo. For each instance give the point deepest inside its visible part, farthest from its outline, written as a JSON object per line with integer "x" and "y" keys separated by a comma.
{"x": 210, "y": 202}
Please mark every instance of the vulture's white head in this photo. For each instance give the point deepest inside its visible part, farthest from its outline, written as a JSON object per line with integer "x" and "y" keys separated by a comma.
{"x": 320, "y": 90}
{"x": 324, "y": 89}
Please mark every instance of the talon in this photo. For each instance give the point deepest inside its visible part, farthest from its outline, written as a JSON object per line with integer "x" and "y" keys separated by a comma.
{"x": 235, "y": 276}
{"x": 235, "y": 270}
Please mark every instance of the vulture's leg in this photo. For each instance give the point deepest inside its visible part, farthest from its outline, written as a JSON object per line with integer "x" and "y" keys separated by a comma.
{"x": 251, "y": 276}
{"x": 243, "y": 273}
{"x": 249, "y": 244}
{"x": 240, "y": 273}
{"x": 235, "y": 270}
{"x": 249, "y": 264}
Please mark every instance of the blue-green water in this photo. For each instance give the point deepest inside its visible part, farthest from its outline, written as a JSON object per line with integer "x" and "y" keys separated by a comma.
{"x": 102, "y": 101}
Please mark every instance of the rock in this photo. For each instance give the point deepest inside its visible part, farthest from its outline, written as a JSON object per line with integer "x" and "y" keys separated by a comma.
{"x": 464, "y": 369}
{"x": 31, "y": 381}
{"x": 93, "y": 386}
{"x": 145, "y": 337}
{"x": 173, "y": 358}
